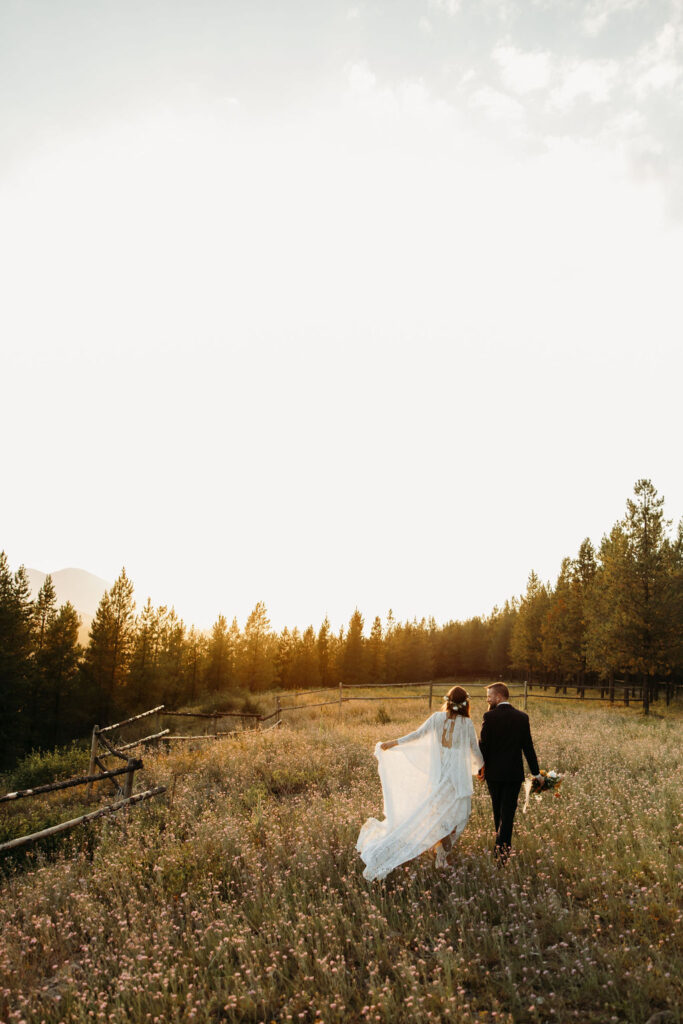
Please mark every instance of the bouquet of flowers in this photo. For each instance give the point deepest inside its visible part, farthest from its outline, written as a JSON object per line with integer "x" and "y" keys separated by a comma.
{"x": 548, "y": 780}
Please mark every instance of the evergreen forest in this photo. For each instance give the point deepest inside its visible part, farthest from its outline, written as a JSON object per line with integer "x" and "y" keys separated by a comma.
{"x": 614, "y": 611}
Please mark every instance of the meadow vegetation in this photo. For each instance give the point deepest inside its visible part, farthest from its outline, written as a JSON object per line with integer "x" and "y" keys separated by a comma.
{"x": 239, "y": 895}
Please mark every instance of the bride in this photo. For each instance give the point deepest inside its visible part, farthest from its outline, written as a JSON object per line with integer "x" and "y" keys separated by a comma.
{"x": 426, "y": 781}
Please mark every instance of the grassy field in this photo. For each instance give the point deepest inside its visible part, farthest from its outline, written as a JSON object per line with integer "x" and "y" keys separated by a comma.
{"x": 244, "y": 900}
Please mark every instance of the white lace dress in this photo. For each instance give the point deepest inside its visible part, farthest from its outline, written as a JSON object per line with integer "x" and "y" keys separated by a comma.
{"x": 427, "y": 789}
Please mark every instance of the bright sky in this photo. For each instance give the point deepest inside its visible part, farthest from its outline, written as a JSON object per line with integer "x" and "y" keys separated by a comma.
{"x": 330, "y": 305}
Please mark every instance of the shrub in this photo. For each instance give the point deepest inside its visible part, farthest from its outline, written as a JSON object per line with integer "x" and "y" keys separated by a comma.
{"x": 250, "y": 707}
{"x": 43, "y": 766}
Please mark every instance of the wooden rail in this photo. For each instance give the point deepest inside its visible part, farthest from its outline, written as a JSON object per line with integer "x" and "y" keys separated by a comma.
{"x": 321, "y": 704}
{"x": 341, "y": 699}
{"x": 206, "y": 736}
{"x": 211, "y": 714}
{"x": 53, "y": 787}
{"x": 127, "y": 721}
{"x": 65, "y": 826}
{"x": 144, "y": 739}
{"x": 392, "y": 686}
{"x": 411, "y": 696}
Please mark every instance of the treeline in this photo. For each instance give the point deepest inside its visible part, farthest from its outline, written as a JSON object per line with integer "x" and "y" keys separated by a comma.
{"x": 617, "y": 610}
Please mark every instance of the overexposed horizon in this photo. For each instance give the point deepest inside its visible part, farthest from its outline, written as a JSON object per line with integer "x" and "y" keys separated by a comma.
{"x": 359, "y": 305}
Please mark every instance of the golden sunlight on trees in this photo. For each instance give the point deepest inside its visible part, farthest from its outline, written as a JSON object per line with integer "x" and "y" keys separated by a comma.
{"x": 617, "y": 612}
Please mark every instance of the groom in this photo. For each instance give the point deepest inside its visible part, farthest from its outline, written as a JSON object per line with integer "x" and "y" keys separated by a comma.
{"x": 505, "y": 735}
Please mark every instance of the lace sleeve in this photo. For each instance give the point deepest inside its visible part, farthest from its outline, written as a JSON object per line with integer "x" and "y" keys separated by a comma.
{"x": 422, "y": 730}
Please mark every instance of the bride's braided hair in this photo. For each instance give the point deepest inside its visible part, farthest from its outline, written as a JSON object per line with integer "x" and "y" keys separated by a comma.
{"x": 457, "y": 702}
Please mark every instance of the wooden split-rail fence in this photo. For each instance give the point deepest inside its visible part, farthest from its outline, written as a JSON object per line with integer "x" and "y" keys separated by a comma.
{"x": 618, "y": 690}
{"x": 125, "y": 792}
{"x": 106, "y": 741}
{"x": 122, "y": 779}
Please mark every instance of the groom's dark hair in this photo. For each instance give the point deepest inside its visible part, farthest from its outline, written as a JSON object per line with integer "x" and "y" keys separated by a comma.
{"x": 500, "y": 688}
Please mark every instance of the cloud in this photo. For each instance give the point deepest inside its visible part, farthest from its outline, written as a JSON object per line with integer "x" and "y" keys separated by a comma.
{"x": 522, "y": 72}
{"x": 659, "y": 65}
{"x": 448, "y": 6}
{"x": 592, "y": 80}
{"x": 409, "y": 97}
{"x": 598, "y": 13}
{"x": 623, "y": 88}
{"x": 361, "y": 79}
{"x": 498, "y": 106}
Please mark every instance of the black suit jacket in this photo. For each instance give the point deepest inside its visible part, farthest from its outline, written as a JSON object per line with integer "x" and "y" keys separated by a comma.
{"x": 505, "y": 734}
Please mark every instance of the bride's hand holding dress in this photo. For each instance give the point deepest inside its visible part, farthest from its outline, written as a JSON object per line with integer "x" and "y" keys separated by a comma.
{"x": 427, "y": 787}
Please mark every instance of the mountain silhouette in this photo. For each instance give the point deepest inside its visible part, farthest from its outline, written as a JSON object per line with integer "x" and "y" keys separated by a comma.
{"x": 82, "y": 588}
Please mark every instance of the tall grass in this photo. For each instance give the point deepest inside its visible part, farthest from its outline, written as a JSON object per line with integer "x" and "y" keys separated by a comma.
{"x": 244, "y": 901}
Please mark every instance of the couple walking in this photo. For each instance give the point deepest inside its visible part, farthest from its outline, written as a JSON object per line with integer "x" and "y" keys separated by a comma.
{"x": 427, "y": 786}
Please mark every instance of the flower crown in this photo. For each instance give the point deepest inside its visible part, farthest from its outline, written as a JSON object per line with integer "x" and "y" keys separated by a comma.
{"x": 452, "y": 704}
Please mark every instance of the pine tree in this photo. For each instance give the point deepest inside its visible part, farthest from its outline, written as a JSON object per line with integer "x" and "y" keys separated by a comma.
{"x": 376, "y": 652}
{"x": 325, "y": 661}
{"x": 258, "y": 649}
{"x": 353, "y": 662}
{"x": 170, "y": 659}
{"x": 195, "y": 654}
{"x": 391, "y": 650}
{"x": 676, "y": 560}
{"x": 218, "y": 674}
{"x": 562, "y": 627}
{"x": 58, "y": 661}
{"x": 648, "y": 599}
{"x": 44, "y": 612}
{"x": 283, "y": 659}
{"x": 447, "y": 660}
{"x": 305, "y": 667}
{"x": 142, "y": 672}
{"x": 107, "y": 659}
{"x": 472, "y": 646}
{"x": 337, "y": 648}
{"x": 419, "y": 663}
{"x": 16, "y": 642}
{"x": 605, "y": 651}
{"x": 500, "y": 625}
{"x": 526, "y": 642}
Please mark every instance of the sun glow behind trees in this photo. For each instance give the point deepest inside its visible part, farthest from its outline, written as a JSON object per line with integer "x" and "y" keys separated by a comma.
{"x": 617, "y": 610}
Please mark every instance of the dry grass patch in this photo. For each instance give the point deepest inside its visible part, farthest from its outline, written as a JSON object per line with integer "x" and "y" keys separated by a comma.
{"x": 244, "y": 901}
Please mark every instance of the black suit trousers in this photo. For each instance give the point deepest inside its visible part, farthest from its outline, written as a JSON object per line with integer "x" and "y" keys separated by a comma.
{"x": 504, "y": 796}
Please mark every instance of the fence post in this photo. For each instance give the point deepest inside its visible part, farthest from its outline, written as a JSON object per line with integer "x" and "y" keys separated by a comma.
{"x": 215, "y": 726}
{"x": 431, "y": 691}
{"x": 278, "y": 710}
{"x": 128, "y": 784}
{"x": 341, "y": 689}
{"x": 93, "y": 755}
{"x": 526, "y": 693}
{"x": 626, "y": 696}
